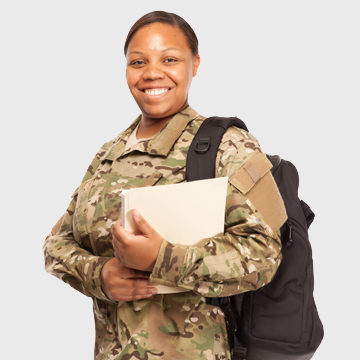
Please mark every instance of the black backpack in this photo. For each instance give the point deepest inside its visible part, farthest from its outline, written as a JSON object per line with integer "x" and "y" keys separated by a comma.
{"x": 278, "y": 321}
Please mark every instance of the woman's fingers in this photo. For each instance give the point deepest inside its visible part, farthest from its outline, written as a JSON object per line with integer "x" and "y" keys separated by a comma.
{"x": 121, "y": 283}
{"x": 132, "y": 289}
{"x": 127, "y": 273}
{"x": 133, "y": 283}
{"x": 142, "y": 224}
{"x": 136, "y": 251}
{"x": 119, "y": 233}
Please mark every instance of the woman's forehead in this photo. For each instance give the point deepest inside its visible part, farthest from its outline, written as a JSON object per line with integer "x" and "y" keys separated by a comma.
{"x": 158, "y": 36}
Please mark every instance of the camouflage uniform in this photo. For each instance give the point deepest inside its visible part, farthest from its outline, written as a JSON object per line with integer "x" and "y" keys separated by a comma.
{"x": 182, "y": 325}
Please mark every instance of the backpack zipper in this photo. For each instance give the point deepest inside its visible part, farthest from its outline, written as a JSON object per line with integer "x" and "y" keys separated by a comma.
{"x": 290, "y": 240}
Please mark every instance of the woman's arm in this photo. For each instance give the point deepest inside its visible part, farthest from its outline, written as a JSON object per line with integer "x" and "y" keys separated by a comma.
{"x": 65, "y": 259}
{"x": 245, "y": 258}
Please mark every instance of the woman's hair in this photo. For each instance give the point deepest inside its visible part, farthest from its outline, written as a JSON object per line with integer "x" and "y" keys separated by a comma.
{"x": 165, "y": 18}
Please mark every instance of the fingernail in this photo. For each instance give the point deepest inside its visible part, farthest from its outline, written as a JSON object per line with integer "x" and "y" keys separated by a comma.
{"x": 153, "y": 291}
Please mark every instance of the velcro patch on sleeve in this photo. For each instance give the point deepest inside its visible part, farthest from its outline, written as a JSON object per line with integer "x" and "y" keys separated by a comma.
{"x": 256, "y": 166}
{"x": 256, "y": 182}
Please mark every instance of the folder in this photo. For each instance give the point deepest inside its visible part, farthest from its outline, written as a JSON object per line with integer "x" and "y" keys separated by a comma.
{"x": 187, "y": 213}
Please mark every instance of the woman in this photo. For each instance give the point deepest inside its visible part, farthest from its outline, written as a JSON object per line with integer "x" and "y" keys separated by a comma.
{"x": 90, "y": 250}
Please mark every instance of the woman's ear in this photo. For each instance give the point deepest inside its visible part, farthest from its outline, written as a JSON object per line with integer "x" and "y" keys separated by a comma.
{"x": 196, "y": 63}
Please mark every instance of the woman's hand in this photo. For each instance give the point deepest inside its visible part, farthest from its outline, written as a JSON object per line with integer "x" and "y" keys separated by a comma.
{"x": 119, "y": 283}
{"x": 136, "y": 251}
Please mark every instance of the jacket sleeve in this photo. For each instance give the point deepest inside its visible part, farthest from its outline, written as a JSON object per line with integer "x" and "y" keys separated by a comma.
{"x": 247, "y": 256}
{"x": 64, "y": 256}
{"x": 65, "y": 259}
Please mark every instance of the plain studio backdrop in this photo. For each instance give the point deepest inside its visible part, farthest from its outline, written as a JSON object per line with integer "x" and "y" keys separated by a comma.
{"x": 289, "y": 69}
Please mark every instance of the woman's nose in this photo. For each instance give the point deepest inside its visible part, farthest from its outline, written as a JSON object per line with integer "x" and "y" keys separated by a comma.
{"x": 153, "y": 72}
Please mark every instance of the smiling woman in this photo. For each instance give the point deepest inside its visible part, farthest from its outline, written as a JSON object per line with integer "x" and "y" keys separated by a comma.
{"x": 90, "y": 250}
{"x": 160, "y": 67}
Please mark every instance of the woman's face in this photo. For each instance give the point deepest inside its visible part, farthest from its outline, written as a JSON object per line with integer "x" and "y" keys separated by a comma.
{"x": 160, "y": 67}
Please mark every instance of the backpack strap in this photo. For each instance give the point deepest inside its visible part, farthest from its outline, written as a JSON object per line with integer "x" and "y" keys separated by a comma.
{"x": 200, "y": 162}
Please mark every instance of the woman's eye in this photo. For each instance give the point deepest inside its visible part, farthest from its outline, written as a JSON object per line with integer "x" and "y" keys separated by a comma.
{"x": 137, "y": 62}
{"x": 170, "y": 60}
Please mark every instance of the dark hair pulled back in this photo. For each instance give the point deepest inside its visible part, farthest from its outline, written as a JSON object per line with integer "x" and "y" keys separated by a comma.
{"x": 165, "y": 18}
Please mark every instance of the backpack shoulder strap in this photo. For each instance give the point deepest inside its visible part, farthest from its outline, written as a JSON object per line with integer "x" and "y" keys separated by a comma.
{"x": 200, "y": 162}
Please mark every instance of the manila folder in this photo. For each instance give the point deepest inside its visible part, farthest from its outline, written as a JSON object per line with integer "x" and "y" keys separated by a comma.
{"x": 185, "y": 213}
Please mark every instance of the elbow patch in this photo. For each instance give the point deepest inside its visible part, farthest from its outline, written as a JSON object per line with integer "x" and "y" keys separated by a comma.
{"x": 255, "y": 181}
{"x": 222, "y": 267}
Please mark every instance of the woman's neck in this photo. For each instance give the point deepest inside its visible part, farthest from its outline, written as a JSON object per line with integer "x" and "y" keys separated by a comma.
{"x": 150, "y": 127}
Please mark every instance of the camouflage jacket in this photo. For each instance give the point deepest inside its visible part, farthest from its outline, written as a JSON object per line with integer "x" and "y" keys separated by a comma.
{"x": 246, "y": 257}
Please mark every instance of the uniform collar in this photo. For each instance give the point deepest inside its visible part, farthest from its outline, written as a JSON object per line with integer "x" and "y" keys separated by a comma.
{"x": 161, "y": 143}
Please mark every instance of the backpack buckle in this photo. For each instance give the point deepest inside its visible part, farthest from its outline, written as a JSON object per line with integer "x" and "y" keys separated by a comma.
{"x": 202, "y": 145}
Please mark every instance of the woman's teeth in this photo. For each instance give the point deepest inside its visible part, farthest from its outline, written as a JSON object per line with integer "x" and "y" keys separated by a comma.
{"x": 155, "y": 91}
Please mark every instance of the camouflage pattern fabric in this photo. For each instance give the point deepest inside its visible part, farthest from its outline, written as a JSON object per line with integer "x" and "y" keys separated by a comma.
{"x": 171, "y": 326}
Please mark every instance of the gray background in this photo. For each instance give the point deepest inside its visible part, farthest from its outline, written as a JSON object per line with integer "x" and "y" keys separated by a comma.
{"x": 289, "y": 69}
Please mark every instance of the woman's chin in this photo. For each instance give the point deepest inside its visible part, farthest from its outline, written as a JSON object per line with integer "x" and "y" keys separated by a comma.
{"x": 158, "y": 112}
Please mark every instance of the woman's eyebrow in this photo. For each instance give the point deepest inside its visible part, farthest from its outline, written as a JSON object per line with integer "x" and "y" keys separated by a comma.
{"x": 136, "y": 52}
{"x": 164, "y": 50}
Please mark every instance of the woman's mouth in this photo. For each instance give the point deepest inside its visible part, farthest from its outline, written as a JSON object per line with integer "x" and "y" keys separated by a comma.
{"x": 155, "y": 91}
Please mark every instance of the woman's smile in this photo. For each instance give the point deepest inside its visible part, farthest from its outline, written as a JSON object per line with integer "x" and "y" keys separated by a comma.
{"x": 155, "y": 92}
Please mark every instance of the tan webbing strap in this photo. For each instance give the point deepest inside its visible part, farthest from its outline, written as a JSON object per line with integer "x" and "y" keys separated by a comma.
{"x": 256, "y": 166}
{"x": 253, "y": 172}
